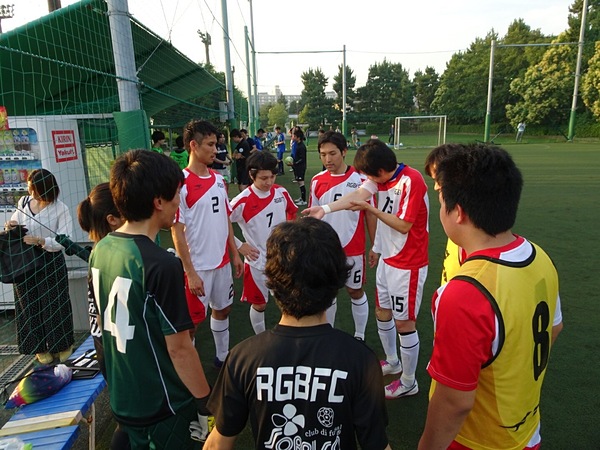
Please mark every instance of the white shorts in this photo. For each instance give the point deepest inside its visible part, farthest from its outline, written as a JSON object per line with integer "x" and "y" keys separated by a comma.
{"x": 225, "y": 173}
{"x": 400, "y": 290}
{"x": 255, "y": 286}
{"x": 356, "y": 278}
{"x": 218, "y": 289}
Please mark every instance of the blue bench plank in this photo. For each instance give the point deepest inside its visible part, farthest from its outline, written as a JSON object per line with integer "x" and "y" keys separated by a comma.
{"x": 56, "y": 439}
{"x": 77, "y": 395}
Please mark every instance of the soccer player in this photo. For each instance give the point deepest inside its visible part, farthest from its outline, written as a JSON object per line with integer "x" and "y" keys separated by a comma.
{"x": 497, "y": 319}
{"x": 280, "y": 143}
{"x": 153, "y": 370}
{"x": 203, "y": 235}
{"x": 299, "y": 164}
{"x": 304, "y": 384}
{"x": 337, "y": 180}
{"x": 257, "y": 210}
{"x": 402, "y": 239}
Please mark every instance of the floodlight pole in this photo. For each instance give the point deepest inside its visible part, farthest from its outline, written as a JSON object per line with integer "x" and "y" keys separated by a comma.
{"x": 248, "y": 76}
{"x": 124, "y": 55}
{"x": 228, "y": 74}
{"x": 488, "y": 109}
{"x": 577, "y": 71}
{"x": 344, "y": 120}
{"x": 254, "y": 72}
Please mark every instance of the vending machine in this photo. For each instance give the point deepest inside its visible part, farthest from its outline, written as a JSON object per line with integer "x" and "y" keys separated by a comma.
{"x": 50, "y": 142}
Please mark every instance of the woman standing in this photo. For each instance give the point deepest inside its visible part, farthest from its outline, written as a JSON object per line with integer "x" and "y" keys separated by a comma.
{"x": 42, "y": 304}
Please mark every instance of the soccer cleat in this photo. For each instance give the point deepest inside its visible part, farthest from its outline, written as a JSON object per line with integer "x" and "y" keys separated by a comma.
{"x": 300, "y": 202}
{"x": 390, "y": 369}
{"x": 396, "y": 390}
{"x": 217, "y": 363}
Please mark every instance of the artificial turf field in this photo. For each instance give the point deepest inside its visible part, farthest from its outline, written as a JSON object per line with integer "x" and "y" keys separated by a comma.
{"x": 559, "y": 210}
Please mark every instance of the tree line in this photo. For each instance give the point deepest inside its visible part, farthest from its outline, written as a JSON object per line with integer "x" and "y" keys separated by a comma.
{"x": 533, "y": 84}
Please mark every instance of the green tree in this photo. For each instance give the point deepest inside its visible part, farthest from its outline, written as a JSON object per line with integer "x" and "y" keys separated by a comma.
{"x": 350, "y": 91}
{"x": 425, "y": 83}
{"x": 387, "y": 94}
{"x": 544, "y": 93}
{"x": 590, "y": 84}
{"x": 278, "y": 115}
{"x": 282, "y": 100}
{"x": 461, "y": 93}
{"x": 294, "y": 107}
{"x": 263, "y": 114}
{"x": 544, "y": 90}
{"x": 315, "y": 107}
{"x": 512, "y": 62}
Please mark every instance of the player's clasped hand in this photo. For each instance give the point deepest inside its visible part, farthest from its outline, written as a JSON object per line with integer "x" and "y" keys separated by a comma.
{"x": 314, "y": 211}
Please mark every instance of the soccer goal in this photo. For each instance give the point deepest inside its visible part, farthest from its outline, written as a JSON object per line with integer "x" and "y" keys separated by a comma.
{"x": 419, "y": 131}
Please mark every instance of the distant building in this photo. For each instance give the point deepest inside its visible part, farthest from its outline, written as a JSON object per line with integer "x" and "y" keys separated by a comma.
{"x": 265, "y": 98}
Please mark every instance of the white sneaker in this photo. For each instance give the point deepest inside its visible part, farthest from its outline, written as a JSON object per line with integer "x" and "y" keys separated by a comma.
{"x": 396, "y": 390}
{"x": 300, "y": 202}
{"x": 390, "y": 369}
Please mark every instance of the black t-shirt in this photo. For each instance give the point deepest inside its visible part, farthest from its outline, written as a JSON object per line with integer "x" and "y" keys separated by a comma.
{"x": 242, "y": 174}
{"x": 302, "y": 387}
{"x": 300, "y": 158}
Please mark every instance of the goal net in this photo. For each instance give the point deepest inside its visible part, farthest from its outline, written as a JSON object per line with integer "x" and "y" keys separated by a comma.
{"x": 419, "y": 131}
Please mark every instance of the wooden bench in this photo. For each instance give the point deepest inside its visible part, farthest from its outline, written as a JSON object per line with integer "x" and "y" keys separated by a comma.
{"x": 54, "y": 420}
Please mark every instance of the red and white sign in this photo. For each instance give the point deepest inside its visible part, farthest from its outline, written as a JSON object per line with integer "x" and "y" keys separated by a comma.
{"x": 65, "y": 146}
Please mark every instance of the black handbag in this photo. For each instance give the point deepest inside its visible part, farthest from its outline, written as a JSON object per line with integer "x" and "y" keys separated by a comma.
{"x": 18, "y": 260}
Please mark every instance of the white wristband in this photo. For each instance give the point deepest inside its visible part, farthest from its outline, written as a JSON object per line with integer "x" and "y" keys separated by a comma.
{"x": 326, "y": 209}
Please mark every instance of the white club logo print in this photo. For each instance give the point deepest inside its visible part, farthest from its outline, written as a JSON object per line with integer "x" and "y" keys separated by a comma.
{"x": 325, "y": 417}
{"x": 286, "y": 424}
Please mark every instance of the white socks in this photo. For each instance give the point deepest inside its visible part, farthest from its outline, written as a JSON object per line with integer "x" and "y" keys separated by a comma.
{"x": 387, "y": 336}
{"x": 330, "y": 312}
{"x": 257, "y": 319}
{"x": 360, "y": 313}
{"x": 409, "y": 353}
{"x": 220, "y": 331}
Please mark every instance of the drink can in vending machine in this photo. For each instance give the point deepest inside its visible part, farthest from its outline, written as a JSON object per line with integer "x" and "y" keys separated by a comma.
{"x": 23, "y": 174}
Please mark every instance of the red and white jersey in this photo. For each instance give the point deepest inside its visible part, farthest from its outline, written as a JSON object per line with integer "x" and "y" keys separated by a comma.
{"x": 405, "y": 196}
{"x": 257, "y": 212}
{"x": 350, "y": 225}
{"x": 205, "y": 209}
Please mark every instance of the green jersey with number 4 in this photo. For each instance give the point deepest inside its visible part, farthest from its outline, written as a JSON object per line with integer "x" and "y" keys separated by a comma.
{"x": 139, "y": 289}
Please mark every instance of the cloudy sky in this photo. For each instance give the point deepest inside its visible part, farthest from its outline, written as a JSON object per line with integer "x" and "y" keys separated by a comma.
{"x": 414, "y": 33}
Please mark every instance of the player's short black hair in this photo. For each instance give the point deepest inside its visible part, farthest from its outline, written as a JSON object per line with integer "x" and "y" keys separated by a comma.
{"x": 485, "y": 182}
{"x": 197, "y": 129}
{"x": 235, "y": 133}
{"x": 157, "y": 136}
{"x": 335, "y": 138}
{"x": 43, "y": 184}
{"x": 437, "y": 154}
{"x": 261, "y": 161}
{"x": 140, "y": 176}
{"x": 373, "y": 156}
{"x": 179, "y": 141}
{"x": 306, "y": 266}
{"x": 260, "y": 130}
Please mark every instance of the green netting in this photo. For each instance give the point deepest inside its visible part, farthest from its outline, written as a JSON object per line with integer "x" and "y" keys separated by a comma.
{"x": 58, "y": 86}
